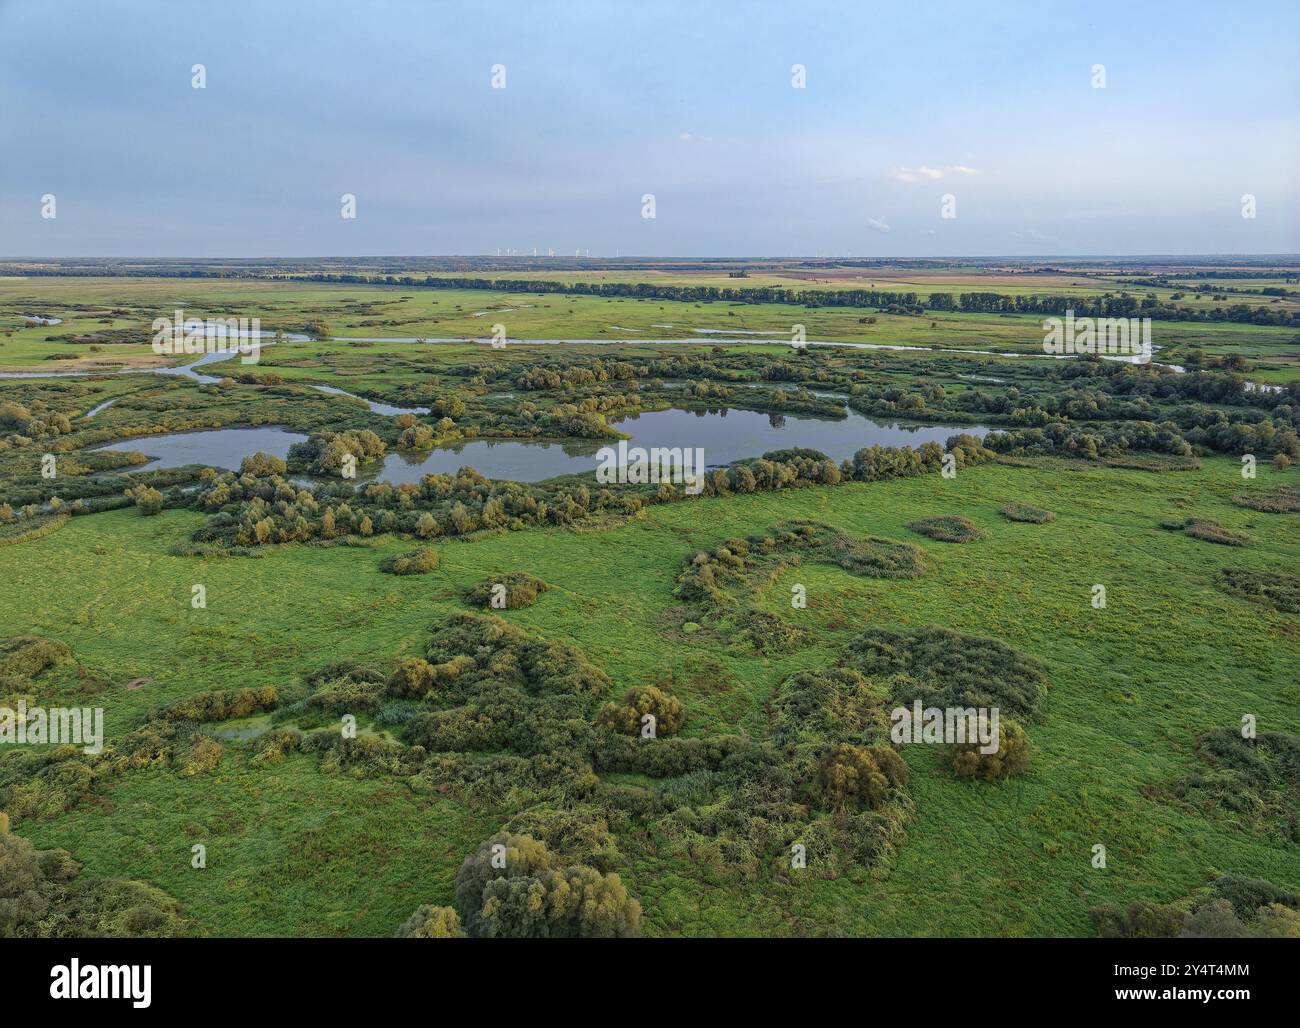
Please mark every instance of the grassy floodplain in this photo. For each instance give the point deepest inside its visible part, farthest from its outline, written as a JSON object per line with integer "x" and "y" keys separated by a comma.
{"x": 300, "y": 847}
{"x": 294, "y": 851}
{"x": 108, "y": 306}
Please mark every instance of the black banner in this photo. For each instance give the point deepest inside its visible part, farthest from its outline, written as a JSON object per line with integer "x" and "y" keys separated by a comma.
{"x": 143, "y": 978}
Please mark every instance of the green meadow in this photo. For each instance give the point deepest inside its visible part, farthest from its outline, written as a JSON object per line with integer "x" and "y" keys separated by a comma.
{"x": 294, "y": 850}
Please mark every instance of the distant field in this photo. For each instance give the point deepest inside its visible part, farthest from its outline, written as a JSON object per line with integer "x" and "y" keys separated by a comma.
{"x": 128, "y": 306}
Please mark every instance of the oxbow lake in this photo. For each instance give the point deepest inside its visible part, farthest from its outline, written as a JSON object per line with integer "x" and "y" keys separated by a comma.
{"x": 726, "y": 435}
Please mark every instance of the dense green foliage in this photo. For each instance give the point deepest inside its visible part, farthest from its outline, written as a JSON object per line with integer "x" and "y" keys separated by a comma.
{"x": 515, "y": 589}
{"x": 1025, "y": 512}
{"x": 967, "y": 759}
{"x": 1272, "y": 588}
{"x": 948, "y": 528}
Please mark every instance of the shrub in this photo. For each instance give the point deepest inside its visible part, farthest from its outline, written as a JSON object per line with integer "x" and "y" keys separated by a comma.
{"x": 830, "y": 705}
{"x": 220, "y": 706}
{"x": 572, "y": 903}
{"x": 1249, "y": 894}
{"x": 1282, "y": 500}
{"x": 147, "y": 499}
{"x": 1271, "y": 588}
{"x": 944, "y": 668}
{"x": 414, "y": 562}
{"x": 43, "y": 894}
{"x": 1141, "y": 920}
{"x": 1213, "y": 920}
{"x": 205, "y": 756}
{"x": 1255, "y": 781}
{"x": 262, "y": 465}
{"x": 28, "y": 656}
{"x": 767, "y": 632}
{"x": 965, "y": 759}
{"x": 521, "y": 590}
{"x": 859, "y": 776}
{"x": 432, "y": 923}
{"x": 1204, "y": 529}
{"x": 950, "y": 528}
{"x": 1024, "y": 512}
{"x": 508, "y": 888}
{"x": 417, "y": 677}
{"x": 667, "y": 711}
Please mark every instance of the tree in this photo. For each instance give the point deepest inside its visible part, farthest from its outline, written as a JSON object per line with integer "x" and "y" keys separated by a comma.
{"x": 667, "y": 711}
{"x": 432, "y": 923}
{"x": 509, "y": 888}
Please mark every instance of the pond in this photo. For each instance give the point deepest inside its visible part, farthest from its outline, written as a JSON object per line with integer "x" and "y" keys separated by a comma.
{"x": 725, "y": 435}
{"x": 216, "y": 448}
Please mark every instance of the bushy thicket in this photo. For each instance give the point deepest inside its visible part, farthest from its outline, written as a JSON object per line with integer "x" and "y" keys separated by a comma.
{"x": 25, "y": 657}
{"x": 1254, "y": 781}
{"x": 432, "y": 923}
{"x": 327, "y": 452}
{"x": 1206, "y": 530}
{"x": 48, "y": 782}
{"x": 521, "y": 590}
{"x": 1027, "y": 513}
{"x": 967, "y": 759}
{"x": 419, "y": 561}
{"x": 1282, "y": 500}
{"x": 44, "y": 895}
{"x": 146, "y": 498}
{"x": 249, "y": 511}
{"x": 859, "y": 775}
{"x": 748, "y": 563}
{"x": 642, "y": 700}
{"x": 944, "y": 668}
{"x": 220, "y": 706}
{"x": 715, "y": 581}
{"x": 511, "y": 887}
{"x": 948, "y": 528}
{"x": 1277, "y": 589}
{"x": 1233, "y": 907}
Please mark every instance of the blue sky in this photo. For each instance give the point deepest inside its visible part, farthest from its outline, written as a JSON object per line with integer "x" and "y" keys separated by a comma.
{"x": 606, "y": 101}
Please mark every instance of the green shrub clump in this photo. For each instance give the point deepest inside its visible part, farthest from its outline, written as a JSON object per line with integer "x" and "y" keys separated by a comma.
{"x": 43, "y": 895}
{"x": 520, "y": 590}
{"x": 944, "y": 668}
{"x": 1024, "y": 512}
{"x": 419, "y": 561}
{"x": 859, "y": 776}
{"x": 1271, "y": 588}
{"x": 949, "y": 528}
{"x": 1206, "y": 530}
{"x": 966, "y": 760}
{"x": 1282, "y": 500}
{"x": 510, "y": 887}
{"x": 432, "y": 923}
{"x": 625, "y": 717}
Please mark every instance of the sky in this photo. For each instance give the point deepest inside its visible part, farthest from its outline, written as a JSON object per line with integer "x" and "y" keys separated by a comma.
{"x": 993, "y": 104}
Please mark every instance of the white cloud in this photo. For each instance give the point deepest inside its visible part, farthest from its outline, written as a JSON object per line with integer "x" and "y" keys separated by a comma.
{"x": 878, "y": 224}
{"x": 925, "y": 172}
